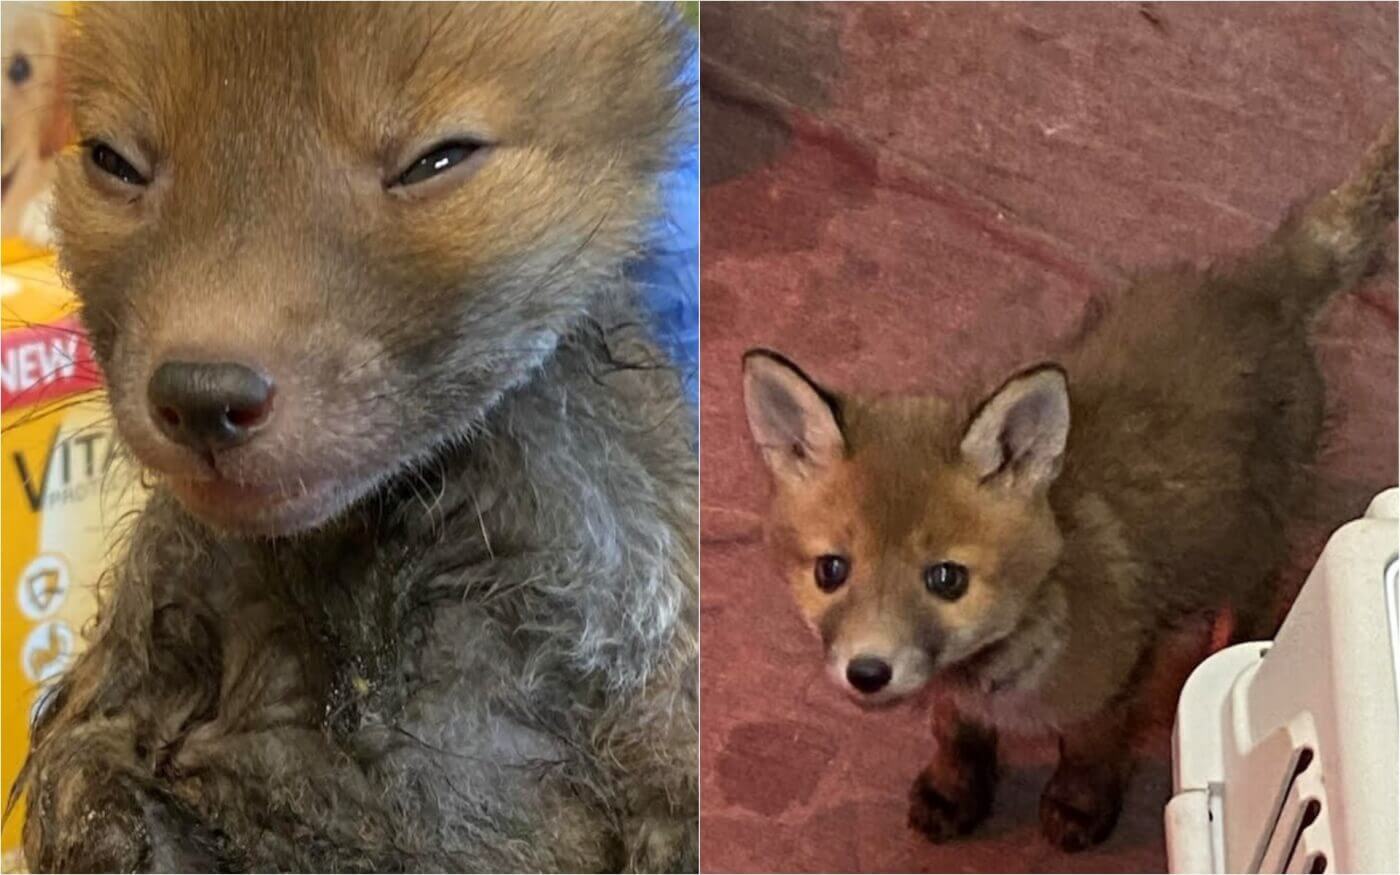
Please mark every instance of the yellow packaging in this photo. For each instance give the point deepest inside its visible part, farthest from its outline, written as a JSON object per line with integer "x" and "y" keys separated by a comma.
{"x": 59, "y": 503}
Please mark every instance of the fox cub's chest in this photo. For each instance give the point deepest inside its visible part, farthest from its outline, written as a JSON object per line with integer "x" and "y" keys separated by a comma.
{"x": 1018, "y": 711}
{"x": 460, "y": 680}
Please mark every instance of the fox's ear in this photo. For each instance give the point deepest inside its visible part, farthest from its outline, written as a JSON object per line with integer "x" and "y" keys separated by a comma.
{"x": 794, "y": 421}
{"x": 1018, "y": 435}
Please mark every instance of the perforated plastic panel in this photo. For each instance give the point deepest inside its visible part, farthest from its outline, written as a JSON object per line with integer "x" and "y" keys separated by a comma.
{"x": 1287, "y": 755}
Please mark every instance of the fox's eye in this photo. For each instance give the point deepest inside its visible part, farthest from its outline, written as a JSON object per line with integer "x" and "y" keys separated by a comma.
{"x": 110, "y": 161}
{"x": 831, "y": 572}
{"x": 439, "y": 159}
{"x": 947, "y": 580}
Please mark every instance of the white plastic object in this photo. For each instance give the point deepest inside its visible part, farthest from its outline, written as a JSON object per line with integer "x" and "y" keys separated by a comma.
{"x": 1286, "y": 755}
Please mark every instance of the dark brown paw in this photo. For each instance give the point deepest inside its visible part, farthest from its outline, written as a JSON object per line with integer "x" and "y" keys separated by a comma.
{"x": 943, "y": 813}
{"x": 90, "y": 819}
{"x": 101, "y": 831}
{"x": 1079, "y": 810}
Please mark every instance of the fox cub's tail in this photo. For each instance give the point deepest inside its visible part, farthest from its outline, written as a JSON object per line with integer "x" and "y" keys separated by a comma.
{"x": 1332, "y": 242}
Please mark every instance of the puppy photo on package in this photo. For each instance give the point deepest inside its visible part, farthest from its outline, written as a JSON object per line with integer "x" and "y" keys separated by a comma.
{"x": 34, "y": 122}
{"x": 375, "y": 296}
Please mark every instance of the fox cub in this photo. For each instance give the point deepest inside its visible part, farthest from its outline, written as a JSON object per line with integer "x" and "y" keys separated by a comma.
{"x": 1023, "y": 551}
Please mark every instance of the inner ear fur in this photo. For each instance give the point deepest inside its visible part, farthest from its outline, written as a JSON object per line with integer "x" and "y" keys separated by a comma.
{"x": 793, "y": 420}
{"x": 1017, "y": 436}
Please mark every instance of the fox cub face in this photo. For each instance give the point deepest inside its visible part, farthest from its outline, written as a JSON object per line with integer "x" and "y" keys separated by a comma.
{"x": 915, "y": 532}
{"x": 316, "y": 243}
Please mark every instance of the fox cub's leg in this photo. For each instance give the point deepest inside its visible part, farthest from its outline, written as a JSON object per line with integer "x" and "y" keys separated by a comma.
{"x": 90, "y": 810}
{"x": 953, "y": 794}
{"x": 83, "y": 816}
{"x": 1080, "y": 805}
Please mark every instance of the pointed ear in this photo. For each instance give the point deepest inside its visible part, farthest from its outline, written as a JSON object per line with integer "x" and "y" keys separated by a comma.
{"x": 794, "y": 421}
{"x": 1018, "y": 435}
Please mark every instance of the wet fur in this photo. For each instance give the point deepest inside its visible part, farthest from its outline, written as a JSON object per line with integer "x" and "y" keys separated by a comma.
{"x": 1195, "y": 410}
{"x": 485, "y": 658}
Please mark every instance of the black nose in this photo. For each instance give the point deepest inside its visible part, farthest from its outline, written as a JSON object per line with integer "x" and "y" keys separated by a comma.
{"x": 868, "y": 674}
{"x": 209, "y": 405}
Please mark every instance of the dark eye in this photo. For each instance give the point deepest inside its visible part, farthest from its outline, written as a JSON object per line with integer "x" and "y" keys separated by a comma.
{"x": 947, "y": 580}
{"x": 110, "y": 161}
{"x": 438, "y": 160}
{"x": 19, "y": 70}
{"x": 831, "y": 572}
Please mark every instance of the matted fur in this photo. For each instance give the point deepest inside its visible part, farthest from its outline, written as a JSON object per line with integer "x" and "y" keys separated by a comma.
{"x": 480, "y": 653}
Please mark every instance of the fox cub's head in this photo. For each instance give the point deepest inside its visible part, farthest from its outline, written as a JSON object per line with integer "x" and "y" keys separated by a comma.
{"x": 915, "y": 532}
{"x": 315, "y": 243}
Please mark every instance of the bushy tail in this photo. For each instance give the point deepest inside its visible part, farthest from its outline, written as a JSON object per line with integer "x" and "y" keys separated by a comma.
{"x": 1334, "y": 241}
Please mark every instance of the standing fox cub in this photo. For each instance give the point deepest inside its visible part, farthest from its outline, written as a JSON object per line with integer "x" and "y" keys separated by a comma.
{"x": 1024, "y": 550}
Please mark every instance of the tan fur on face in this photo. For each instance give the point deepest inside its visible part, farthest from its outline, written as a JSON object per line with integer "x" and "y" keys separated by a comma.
{"x": 273, "y": 234}
{"x": 899, "y": 501}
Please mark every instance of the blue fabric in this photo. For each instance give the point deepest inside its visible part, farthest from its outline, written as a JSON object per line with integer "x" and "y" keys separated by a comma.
{"x": 669, "y": 273}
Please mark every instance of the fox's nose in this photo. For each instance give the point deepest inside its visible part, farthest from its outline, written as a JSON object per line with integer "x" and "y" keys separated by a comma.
{"x": 869, "y": 674}
{"x": 209, "y": 405}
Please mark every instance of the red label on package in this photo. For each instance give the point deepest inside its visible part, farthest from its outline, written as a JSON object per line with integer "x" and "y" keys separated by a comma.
{"x": 45, "y": 363}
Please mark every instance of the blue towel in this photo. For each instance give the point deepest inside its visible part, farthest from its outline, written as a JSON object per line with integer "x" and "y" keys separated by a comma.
{"x": 669, "y": 272}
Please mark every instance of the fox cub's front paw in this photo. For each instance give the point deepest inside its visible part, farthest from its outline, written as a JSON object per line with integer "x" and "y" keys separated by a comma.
{"x": 76, "y": 825}
{"x": 947, "y": 803}
{"x": 1079, "y": 807}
